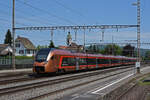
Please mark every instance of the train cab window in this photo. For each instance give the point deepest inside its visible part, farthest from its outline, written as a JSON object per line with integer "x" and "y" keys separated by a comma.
{"x": 42, "y": 54}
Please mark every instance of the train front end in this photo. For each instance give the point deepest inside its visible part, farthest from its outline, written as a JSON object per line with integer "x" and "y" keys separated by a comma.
{"x": 41, "y": 62}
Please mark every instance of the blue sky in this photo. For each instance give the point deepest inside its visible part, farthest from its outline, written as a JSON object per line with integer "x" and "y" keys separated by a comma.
{"x": 75, "y": 12}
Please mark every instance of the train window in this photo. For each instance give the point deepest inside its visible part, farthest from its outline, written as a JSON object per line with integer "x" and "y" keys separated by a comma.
{"x": 113, "y": 61}
{"x": 71, "y": 61}
{"x": 125, "y": 61}
{"x": 82, "y": 61}
{"x": 103, "y": 61}
{"x": 64, "y": 62}
{"x": 68, "y": 61}
{"x": 91, "y": 61}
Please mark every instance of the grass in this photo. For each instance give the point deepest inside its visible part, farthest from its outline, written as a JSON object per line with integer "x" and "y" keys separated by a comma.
{"x": 144, "y": 78}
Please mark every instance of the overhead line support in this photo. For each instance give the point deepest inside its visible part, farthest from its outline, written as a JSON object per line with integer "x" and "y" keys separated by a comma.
{"x": 77, "y": 27}
{"x": 13, "y": 34}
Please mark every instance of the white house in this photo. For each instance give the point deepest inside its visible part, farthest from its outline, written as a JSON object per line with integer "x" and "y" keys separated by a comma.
{"x": 5, "y": 49}
{"x": 24, "y": 47}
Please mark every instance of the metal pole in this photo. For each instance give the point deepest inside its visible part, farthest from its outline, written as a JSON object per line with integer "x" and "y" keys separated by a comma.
{"x": 51, "y": 35}
{"x": 112, "y": 45}
{"x": 84, "y": 40}
{"x": 102, "y": 35}
{"x": 138, "y": 34}
{"x": 75, "y": 36}
{"x": 13, "y": 33}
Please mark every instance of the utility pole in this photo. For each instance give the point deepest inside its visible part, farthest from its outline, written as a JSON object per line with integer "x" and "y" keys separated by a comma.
{"x": 75, "y": 40}
{"x": 51, "y": 35}
{"x": 13, "y": 33}
{"x": 84, "y": 40}
{"x": 112, "y": 45}
{"x": 102, "y": 35}
{"x": 138, "y": 33}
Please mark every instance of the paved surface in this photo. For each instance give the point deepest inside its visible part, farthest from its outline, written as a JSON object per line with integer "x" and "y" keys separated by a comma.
{"x": 15, "y": 71}
{"x": 97, "y": 90}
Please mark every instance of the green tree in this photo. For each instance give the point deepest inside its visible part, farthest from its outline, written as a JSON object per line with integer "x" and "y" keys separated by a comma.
{"x": 41, "y": 46}
{"x": 112, "y": 50}
{"x": 147, "y": 55}
{"x": 8, "y": 38}
{"x": 95, "y": 49}
{"x": 102, "y": 51}
{"x": 92, "y": 49}
{"x": 51, "y": 45}
{"x": 68, "y": 39}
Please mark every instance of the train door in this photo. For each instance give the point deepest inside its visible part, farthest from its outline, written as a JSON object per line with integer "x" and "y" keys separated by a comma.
{"x": 77, "y": 63}
{"x": 96, "y": 62}
{"x": 110, "y": 62}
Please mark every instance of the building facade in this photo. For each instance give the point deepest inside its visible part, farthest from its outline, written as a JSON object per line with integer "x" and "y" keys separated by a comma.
{"x": 24, "y": 47}
{"x": 5, "y": 50}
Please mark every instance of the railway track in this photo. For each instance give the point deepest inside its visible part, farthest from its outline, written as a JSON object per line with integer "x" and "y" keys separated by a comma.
{"x": 19, "y": 88}
{"x": 7, "y": 79}
{"x": 21, "y": 78}
{"x": 74, "y": 86}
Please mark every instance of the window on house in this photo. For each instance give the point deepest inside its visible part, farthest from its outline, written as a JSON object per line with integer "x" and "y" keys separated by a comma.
{"x": 21, "y": 51}
{"x": 28, "y": 51}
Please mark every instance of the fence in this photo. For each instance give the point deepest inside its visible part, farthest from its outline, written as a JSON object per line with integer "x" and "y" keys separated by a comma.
{"x": 5, "y": 61}
{"x": 20, "y": 63}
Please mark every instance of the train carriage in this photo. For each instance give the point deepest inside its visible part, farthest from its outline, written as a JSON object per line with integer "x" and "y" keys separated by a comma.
{"x": 56, "y": 60}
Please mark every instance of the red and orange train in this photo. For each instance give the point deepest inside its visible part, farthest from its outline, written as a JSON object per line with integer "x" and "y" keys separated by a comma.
{"x": 56, "y": 60}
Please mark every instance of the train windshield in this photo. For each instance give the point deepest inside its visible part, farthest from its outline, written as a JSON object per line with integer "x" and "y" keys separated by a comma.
{"x": 42, "y": 54}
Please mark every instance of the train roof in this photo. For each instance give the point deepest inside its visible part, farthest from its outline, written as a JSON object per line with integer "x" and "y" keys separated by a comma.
{"x": 67, "y": 52}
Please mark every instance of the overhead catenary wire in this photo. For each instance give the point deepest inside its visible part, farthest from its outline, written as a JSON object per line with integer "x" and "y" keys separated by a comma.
{"x": 8, "y": 21}
{"x": 70, "y": 9}
{"x": 47, "y": 12}
{"x": 23, "y": 18}
{"x": 27, "y": 19}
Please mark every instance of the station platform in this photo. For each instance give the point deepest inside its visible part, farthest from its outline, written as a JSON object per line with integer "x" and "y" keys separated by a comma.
{"x": 12, "y": 71}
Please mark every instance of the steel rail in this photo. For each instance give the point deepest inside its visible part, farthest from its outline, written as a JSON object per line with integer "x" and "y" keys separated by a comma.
{"x": 10, "y": 90}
